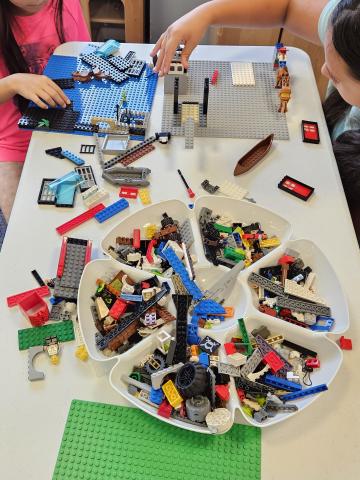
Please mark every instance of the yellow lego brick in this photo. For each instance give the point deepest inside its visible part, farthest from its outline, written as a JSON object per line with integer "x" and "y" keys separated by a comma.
{"x": 150, "y": 230}
{"x": 247, "y": 263}
{"x": 144, "y": 195}
{"x": 172, "y": 394}
{"x": 270, "y": 242}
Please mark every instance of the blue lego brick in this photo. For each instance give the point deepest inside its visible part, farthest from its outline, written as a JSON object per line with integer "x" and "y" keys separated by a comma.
{"x": 99, "y": 98}
{"x": 159, "y": 250}
{"x": 131, "y": 298}
{"x": 192, "y": 335}
{"x": 73, "y": 158}
{"x": 204, "y": 359}
{"x": 304, "y": 393}
{"x": 281, "y": 383}
{"x": 111, "y": 210}
{"x": 156, "y": 395}
{"x": 179, "y": 268}
{"x": 323, "y": 324}
{"x": 209, "y": 307}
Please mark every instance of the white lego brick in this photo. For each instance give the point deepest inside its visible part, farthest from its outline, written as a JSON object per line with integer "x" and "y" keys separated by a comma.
{"x": 94, "y": 196}
{"x": 292, "y": 288}
{"x": 231, "y": 190}
{"x": 310, "y": 280}
{"x": 242, "y": 74}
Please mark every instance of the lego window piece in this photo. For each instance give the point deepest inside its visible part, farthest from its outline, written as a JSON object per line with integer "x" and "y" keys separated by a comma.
{"x": 310, "y": 132}
{"x": 87, "y": 178}
{"x": 46, "y": 195}
{"x": 87, "y": 149}
{"x": 242, "y": 74}
{"x": 296, "y": 188}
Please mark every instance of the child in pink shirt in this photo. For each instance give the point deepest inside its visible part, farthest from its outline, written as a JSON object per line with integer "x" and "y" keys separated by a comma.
{"x": 30, "y": 30}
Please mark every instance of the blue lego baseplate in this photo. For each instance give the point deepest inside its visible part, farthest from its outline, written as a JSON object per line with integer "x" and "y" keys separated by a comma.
{"x": 99, "y": 98}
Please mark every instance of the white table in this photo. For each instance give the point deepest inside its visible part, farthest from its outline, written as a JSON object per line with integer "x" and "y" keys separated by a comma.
{"x": 322, "y": 442}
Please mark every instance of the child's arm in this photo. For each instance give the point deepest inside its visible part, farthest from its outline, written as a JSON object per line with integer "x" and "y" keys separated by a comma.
{"x": 38, "y": 88}
{"x": 298, "y": 16}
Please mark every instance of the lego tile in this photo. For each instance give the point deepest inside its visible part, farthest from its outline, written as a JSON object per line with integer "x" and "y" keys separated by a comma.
{"x": 112, "y": 210}
{"x": 242, "y": 74}
{"x": 233, "y": 111}
{"x": 30, "y": 337}
{"x": 99, "y": 441}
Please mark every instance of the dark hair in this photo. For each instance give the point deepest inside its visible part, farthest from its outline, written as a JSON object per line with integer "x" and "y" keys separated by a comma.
{"x": 10, "y": 50}
{"x": 345, "y": 24}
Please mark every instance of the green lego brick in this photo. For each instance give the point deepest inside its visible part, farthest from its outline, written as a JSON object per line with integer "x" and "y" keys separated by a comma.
{"x": 245, "y": 337}
{"x": 110, "y": 442}
{"x": 222, "y": 228}
{"x": 30, "y": 337}
{"x": 234, "y": 255}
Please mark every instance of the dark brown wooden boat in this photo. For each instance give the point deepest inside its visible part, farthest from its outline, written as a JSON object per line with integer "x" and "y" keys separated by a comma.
{"x": 253, "y": 156}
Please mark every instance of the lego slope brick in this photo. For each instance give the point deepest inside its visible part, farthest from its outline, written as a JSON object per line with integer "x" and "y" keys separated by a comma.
{"x": 99, "y": 442}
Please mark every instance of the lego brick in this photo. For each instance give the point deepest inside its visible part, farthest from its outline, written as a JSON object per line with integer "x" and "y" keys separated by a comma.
{"x": 135, "y": 70}
{"x": 97, "y": 62}
{"x": 186, "y": 233}
{"x": 281, "y": 383}
{"x": 296, "y": 188}
{"x": 266, "y": 284}
{"x": 94, "y": 195}
{"x": 251, "y": 363}
{"x": 80, "y": 219}
{"x": 242, "y": 74}
{"x": 64, "y": 83}
{"x": 72, "y": 157}
{"x": 87, "y": 178}
{"x": 228, "y": 369}
{"x": 266, "y": 348}
{"x": 179, "y": 268}
{"x": 51, "y": 119}
{"x": 30, "y": 337}
{"x": 182, "y": 303}
{"x": 132, "y": 154}
{"x": 300, "y": 306}
{"x": 292, "y": 288}
{"x": 129, "y": 192}
{"x": 111, "y": 210}
{"x": 46, "y": 195}
{"x": 233, "y": 111}
{"x": 310, "y": 132}
{"x": 303, "y": 393}
{"x": 15, "y": 299}
{"x": 37, "y": 277}
{"x": 87, "y": 149}
{"x": 55, "y": 152}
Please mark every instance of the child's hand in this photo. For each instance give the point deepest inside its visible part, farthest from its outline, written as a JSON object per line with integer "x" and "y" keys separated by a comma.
{"x": 39, "y": 89}
{"x": 188, "y": 30}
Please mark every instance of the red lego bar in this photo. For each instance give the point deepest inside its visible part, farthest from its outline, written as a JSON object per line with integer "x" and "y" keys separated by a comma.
{"x": 296, "y": 188}
{"x": 83, "y": 217}
{"x": 310, "y": 132}
{"x": 61, "y": 263}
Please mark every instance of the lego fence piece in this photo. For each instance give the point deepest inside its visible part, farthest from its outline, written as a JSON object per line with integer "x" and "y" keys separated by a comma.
{"x": 94, "y": 428}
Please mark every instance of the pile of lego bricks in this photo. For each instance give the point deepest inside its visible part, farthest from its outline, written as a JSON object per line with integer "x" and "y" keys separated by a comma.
{"x": 228, "y": 242}
{"x": 125, "y": 311}
{"x": 148, "y": 254}
{"x": 286, "y": 290}
{"x": 188, "y": 382}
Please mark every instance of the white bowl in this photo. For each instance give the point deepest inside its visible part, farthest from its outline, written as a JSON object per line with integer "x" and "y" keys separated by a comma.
{"x": 326, "y": 282}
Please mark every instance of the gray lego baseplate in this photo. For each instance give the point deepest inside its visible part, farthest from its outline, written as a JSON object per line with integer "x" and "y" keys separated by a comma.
{"x": 233, "y": 111}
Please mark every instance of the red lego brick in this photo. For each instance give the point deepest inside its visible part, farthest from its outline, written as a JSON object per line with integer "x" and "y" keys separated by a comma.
{"x": 145, "y": 285}
{"x": 150, "y": 247}
{"x": 15, "y": 299}
{"x": 267, "y": 310}
{"x": 83, "y": 217}
{"x": 214, "y": 76}
{"x": 165, "y": 409}
{"x": 312, "y": 363}
{"x": 345, "y": 343}
{"x": 286, "y": 259}
{"x": 136, "y": 238}
{"x": 222, "y": 391}
{"x": 310, "y": 132}
{"x": 274, "y": 361}
{"x": 118, "y": 309}
{"x": 88, "y": 252}
{"x": 128, "y": 192}
{"x": 35, "y": 309}
{"x": 241, "y": 393}
{"x": 296, "y": 188}
{"x": 230, "y": 348}
{"x": 62, "y": 256}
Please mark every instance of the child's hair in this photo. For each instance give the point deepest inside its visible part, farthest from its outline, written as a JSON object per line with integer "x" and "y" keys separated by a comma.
{"x": 345, "y": 24}
{"x": 10, "y": 50}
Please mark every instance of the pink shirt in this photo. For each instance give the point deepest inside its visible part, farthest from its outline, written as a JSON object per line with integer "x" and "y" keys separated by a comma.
{"x": 37, "y": 37}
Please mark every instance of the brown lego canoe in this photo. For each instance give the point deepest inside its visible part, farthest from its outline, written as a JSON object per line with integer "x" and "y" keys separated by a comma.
{"x": 253, "y": 156}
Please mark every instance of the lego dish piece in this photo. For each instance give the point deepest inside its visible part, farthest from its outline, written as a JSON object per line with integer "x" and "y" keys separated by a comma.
{"x": 253, "y": 156}
{"x": 315, "y": 282}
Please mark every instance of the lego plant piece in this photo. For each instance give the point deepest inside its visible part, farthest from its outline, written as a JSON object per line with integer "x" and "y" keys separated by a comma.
{"x": 16, "y": 299}
{"x": 296, "y": 188}
{"x": 87, "y": 149}
{"x": 253, "y": 156}
{"x": 30, "y": 337}
{"x": 80, "y": 219}
{"x": 111, "y": 210}
{"x": 310, "y": 132}
{"x": 34, "y": 375}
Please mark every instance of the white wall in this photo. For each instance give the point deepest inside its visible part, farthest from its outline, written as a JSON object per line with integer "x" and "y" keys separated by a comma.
{"x": 164, "y": 12}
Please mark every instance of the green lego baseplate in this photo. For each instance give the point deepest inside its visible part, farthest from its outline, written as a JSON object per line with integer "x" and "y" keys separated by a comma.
{"x": 30, "y": 337}
{"x": 109, "y": 442}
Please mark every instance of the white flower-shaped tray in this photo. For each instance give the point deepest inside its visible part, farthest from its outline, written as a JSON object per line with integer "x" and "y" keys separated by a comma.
{"x": 240, "y": 296}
